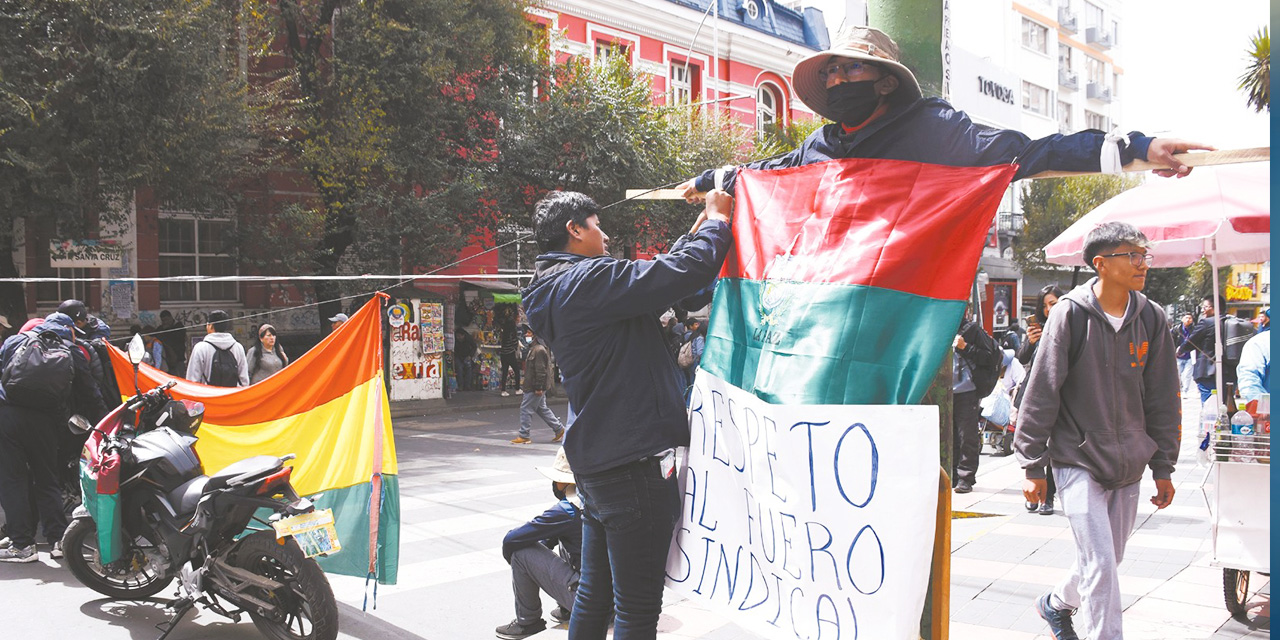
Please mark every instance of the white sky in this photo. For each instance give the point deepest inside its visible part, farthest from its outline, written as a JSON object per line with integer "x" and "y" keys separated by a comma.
{"x": 1181, "y": 60}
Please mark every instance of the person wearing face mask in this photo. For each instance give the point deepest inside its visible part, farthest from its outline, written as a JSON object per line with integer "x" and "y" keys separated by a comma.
{"x": 878, "y": 111}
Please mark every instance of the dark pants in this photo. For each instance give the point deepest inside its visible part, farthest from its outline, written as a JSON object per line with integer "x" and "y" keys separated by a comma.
{"x": 967, "y": 433}
{"x": 630, "y": 515}
{"x": 28, "y": 455}
{"x": 464, "y": 373}
{"x": 510, "y": 366}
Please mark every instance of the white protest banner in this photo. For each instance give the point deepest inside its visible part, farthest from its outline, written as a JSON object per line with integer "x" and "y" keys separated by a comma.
{"x": 807, "y": 521}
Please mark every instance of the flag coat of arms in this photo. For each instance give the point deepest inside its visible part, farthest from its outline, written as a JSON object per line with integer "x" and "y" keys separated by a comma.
{"x": 810, "y": 484}
{"x": 329, "y": 407}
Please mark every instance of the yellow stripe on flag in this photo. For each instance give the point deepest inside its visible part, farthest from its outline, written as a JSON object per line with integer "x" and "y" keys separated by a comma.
{"x": 332, "y": 452}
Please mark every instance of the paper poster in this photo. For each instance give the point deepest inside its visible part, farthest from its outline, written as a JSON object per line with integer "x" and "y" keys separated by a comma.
{"x": 807, "y": 521}
{"x": 432, "y": 319}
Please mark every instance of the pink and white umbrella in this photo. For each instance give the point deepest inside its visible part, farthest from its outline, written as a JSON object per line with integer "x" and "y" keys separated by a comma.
{"x": 1220, "y": 212}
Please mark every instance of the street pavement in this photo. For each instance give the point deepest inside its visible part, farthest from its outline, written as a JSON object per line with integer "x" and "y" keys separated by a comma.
{"x": 463, "y": 485}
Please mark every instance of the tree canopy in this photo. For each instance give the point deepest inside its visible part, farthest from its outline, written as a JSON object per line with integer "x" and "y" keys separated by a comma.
{"x": 1256, "y": 80}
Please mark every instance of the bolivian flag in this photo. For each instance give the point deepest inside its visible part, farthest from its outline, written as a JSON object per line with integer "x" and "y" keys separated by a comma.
{"x": 329, "y": 407}
{"x": 847, "y": 279}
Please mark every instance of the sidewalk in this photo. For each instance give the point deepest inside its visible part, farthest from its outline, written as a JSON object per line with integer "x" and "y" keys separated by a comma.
{"x": 463, "y": 402}
{"x": 1005, "y": 558}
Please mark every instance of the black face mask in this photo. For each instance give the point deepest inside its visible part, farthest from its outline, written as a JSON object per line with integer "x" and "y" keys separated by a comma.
{"x": 853, "y": 102}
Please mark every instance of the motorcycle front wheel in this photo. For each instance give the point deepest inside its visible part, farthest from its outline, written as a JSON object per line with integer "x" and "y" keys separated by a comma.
{"x": 306, "y": 609}
{"x": 133, "y": 577}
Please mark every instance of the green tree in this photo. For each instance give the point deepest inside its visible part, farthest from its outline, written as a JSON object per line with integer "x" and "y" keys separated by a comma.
{"x": 1050, "y": 205}
{"x": 98, "y": 98}
{"x": 593, "y": 127}
{"x": 1256, "y": 81}
{"x": 391, "y": 111}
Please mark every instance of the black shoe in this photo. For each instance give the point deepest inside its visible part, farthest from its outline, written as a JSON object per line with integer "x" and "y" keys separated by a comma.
{"x": 560, "y": 615}
{"x": 1046, "y": 509}
{"x": 516, "y": 631}
{"x": 964, "y": 487}
{"x": 1031, "y": 506}
{"x": 1059, "y": 619}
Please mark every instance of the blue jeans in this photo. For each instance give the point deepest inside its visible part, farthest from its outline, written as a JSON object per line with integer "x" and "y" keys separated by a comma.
{"x": 533, "y": 403}
{"x": 1205, "y": 392}
{"x": 630, "y": 516}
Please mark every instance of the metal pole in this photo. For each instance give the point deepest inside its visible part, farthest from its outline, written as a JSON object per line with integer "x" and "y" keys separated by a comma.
{"x": 715, "y": 53}
{"x": 1217, "y": 325}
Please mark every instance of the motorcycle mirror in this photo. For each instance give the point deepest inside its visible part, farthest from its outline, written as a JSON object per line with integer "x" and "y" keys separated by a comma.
{"x": 79, "y": 425}
{"x": 137, "y": 349}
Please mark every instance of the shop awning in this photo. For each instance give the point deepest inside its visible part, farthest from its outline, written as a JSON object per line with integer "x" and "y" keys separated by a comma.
{"x": 494, "y": 285}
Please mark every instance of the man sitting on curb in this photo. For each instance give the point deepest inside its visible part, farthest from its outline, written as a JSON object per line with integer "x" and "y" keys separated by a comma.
{"x": 534, "y": 566}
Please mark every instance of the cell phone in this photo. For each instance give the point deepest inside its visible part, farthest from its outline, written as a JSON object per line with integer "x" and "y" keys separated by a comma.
{"x": 1032, "y": 320}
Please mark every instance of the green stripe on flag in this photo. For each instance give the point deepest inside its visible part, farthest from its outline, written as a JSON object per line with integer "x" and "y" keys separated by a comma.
{"x": 819, "y": 343}
{"x": 351, "y": 520}
{"x": 105, "y": 511}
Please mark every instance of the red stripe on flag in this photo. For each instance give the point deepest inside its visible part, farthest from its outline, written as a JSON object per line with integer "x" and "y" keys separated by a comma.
{"x": 904, "y": 226}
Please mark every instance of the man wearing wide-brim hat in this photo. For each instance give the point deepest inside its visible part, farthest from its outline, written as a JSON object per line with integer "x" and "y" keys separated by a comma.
{"x": 878, "y": 111}
{"x": 535, "y": 566}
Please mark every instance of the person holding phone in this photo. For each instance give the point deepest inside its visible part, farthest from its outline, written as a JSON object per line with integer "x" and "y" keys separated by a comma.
{"x": 1035, "y": 328}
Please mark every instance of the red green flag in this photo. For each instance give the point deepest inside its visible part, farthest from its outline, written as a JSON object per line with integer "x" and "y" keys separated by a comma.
{"x": 847, "y": 279}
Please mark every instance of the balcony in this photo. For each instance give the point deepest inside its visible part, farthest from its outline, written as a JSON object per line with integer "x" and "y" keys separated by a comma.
{"x": 1010, "y": 224}
{"x": 1098, "y": 38}
{"x": 1067, "y": 21}
{"x": 1098, "y": 91}
{"x": 1068, "y": 80}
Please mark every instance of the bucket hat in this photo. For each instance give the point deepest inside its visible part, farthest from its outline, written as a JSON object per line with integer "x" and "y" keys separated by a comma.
{"x": 856, "y": 43}
{"x": 559, "y": 470}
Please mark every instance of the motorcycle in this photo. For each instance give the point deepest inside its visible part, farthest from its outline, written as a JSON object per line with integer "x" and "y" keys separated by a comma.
{"x": 176, "y": 522}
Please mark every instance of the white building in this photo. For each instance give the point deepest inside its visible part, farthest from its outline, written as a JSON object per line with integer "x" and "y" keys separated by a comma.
{"x": 1040, "y": 67}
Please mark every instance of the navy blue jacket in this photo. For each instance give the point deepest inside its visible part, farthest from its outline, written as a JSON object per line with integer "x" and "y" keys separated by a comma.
{"x": 931, "y": 130}
{"x": 86, "y": 397}
{"x": 560, "y": 524}
{"x": 599, "y": 316}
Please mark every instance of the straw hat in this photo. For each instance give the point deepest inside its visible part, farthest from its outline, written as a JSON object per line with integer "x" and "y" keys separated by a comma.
{"x": 856, "y": 43}
{"x": 559, "y": 470}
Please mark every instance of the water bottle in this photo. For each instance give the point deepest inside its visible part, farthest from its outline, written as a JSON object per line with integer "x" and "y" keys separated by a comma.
{"x": 1208, "y": 424}
{"x": 1242, "y": 436}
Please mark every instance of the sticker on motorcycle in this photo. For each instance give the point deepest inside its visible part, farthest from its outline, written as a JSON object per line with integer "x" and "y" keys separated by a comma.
{"x": 314, "y": 532}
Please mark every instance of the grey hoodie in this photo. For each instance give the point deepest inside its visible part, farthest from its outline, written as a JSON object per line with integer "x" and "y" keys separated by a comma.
{"x": 202, "y": 358}
{"x": 1115, "y": 410}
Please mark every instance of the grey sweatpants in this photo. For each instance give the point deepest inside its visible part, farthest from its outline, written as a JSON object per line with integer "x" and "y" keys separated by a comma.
{"x": 1101, "y": 521}
{"x": 535, "y": 568}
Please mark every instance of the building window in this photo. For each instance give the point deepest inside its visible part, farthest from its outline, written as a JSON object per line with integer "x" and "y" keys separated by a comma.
{"x": 1035, "y": 98}
{"x": 1115, "y": 85}
{"x": 55, "y": 292}
{"x": 1096, "y": 70}
{"x": 1115, "y": 33}
{"x": 1035, "y": 36}
{"x": 606, "y": 49}
{"x": 1095, "y": 120}
{"x": 1064, "y": 117}
{"x": 685, "y": 82}
{"x": 191, "y": 246}
{"x": 1064, "y": 58}
{"x": 768, "y": 108}
{"x": 1092, "y": 15}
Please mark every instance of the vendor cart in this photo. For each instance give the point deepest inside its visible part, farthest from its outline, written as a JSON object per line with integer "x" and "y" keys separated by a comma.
{"x": 1240, "y": 509}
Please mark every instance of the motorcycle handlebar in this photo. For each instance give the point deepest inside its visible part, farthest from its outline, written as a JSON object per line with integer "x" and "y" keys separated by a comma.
{"x": 140, "y": 400}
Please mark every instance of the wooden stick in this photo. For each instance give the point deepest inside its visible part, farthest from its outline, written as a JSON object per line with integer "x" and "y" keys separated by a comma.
{"x": 1195, "y": 159}
{"x": 1192, "y": 159}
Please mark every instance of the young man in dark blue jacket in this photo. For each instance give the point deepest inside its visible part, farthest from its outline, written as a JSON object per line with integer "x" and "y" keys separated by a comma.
{"x": 878, "y": 111}
{"x": 600, "y": 316}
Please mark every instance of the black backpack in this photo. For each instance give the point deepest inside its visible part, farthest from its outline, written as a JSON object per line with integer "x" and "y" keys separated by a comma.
{"x": 1235, "y": 332}
{"x": 984, "y": 360}
{"x": 39, "y": 373}
{"x": 224, "y": 371}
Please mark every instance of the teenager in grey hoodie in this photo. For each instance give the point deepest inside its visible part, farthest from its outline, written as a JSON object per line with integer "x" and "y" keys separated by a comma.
{"x": 1101, "y": 404}
{"x": 219, "y": 337}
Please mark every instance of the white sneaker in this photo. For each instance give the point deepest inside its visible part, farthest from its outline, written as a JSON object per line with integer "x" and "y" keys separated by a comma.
{"x": 505, "y": 394}
{"x": 5, "y": 542}
{"x": 56, "y": 552}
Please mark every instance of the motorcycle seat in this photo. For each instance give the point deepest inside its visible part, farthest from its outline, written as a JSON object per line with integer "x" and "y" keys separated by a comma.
{"x": 187, "y": 495}
{"x": 246, "y": 469}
